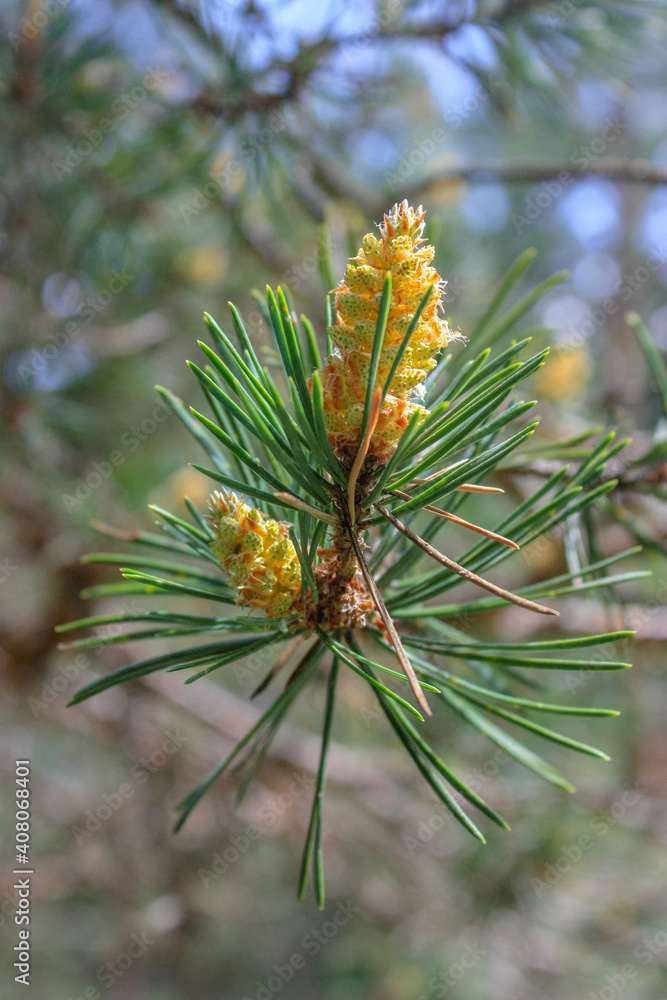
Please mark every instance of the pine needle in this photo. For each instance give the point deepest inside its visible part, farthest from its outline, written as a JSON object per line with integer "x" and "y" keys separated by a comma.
{"x": 299, "y": 504}
{"x": 474, "y": 488}
{"x": 464, "y": 524}
{"x": 403, "y": 657}
{"x": 467, "y": 574}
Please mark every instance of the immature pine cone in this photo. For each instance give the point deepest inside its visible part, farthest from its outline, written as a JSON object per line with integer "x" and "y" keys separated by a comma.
{"x": 257, "y": 554}
{"x": 345, "y": 374}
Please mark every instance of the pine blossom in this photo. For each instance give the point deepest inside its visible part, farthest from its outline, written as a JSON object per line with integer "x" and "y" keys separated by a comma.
{"x": 257, "y": 554}
{"x": 345, "y": 375}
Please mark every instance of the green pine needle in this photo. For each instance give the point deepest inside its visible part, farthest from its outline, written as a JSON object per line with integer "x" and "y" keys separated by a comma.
{"x": 266, "y": 435}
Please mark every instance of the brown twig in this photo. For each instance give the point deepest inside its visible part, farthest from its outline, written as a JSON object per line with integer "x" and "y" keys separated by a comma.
{"x": 459, "y": 520}
{"x": 376, "y": 406}
{"x": 392, "y": 632}
{"x": 108, "y": 529}
{"x": 335, "y": 179}
{"x": 467, "y": 574}
{"x": 630, "y": 171}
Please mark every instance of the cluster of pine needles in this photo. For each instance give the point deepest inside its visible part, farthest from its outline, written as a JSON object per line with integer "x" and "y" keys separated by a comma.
{"x": 267, "y": 440}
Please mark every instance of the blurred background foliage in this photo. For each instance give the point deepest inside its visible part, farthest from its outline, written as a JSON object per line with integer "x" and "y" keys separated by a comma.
{"x": 159, "y": 159}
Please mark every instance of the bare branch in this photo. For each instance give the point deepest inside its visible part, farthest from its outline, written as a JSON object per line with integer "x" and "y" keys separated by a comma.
{"x": 531, "y": 171}
{"x": 335, "y": 180}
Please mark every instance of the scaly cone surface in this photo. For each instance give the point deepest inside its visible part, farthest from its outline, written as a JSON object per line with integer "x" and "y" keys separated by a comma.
{"x": 345, "y": 374}
{"x": 257, "y": 554}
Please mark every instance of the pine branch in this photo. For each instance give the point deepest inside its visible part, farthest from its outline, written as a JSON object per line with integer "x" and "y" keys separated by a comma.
{"x": 341, "y": 443}
{"x": 622, "y": 169}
